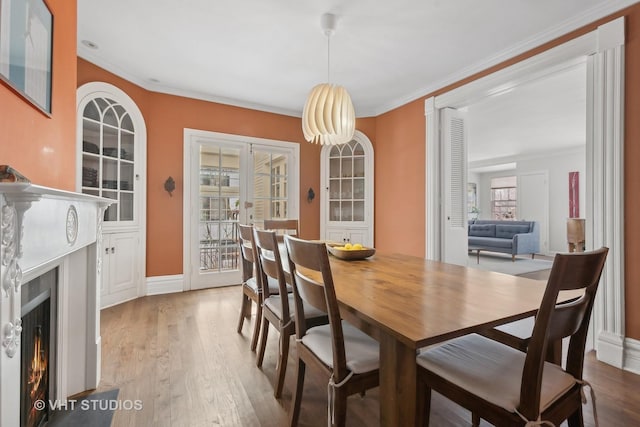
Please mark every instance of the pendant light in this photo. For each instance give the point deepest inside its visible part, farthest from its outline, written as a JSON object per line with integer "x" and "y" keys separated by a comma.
{"x": 328, "y": 116}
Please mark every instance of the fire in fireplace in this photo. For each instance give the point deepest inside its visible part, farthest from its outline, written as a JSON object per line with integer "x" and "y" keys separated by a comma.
{"x": 36, "y": 363}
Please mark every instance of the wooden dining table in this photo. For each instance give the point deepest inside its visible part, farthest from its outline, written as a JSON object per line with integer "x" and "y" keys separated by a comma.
{"x": 408, "y": 303}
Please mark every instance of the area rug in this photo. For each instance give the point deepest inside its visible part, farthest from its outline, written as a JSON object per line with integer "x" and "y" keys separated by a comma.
{"x": 92, "y": 410}
{"x": 503, "y": 264}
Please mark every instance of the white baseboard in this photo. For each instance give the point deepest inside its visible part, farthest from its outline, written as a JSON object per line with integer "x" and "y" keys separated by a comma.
{"x": 157, "y": 285}
{"x": 610, "y": 349}
{"x": 632, "y": 355}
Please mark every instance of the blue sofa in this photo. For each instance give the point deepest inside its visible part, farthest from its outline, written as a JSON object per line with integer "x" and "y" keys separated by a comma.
{"x": 510, "y": 237}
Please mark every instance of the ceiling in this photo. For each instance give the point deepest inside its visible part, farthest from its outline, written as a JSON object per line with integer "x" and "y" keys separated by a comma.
{"x": 268, "y": 54}
{"x": 549, "y": 114}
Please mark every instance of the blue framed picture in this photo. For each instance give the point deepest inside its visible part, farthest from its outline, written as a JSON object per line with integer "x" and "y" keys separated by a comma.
{"x": 26, "y": 40}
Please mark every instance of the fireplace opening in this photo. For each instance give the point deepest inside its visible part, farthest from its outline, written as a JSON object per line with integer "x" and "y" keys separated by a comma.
{"x": 37, "y": 349}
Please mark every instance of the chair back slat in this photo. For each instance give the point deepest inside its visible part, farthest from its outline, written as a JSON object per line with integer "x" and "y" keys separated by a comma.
{"x": 246, "y": 248}
{"x": 270, "y": 265}
{"x": 313, "y": 284}
{"x": 554, "y": 321}
{"x": 567, "y": 318}
{"x": 283, "y": 227}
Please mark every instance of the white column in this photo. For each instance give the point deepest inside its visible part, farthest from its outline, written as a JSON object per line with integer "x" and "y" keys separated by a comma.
{"x": 605, "y": 202}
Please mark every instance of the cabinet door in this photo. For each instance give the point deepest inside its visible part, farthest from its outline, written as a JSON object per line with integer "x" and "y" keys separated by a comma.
{"x": 110, "y": 159}
{"x": 335, "y": 236}
{"x": 120, "y": 268}
{"x": 358, "y": 236}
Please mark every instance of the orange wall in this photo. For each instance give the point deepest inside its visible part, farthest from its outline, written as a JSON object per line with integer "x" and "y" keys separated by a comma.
{"x": 400, "y": 180}
{"x": 404, "y": 129}
{"x": 40, "y": 147}
{"x": 166, "y": 116}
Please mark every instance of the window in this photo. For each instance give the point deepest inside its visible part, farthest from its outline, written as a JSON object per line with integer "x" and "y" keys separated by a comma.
{"x": 504, "y": 197}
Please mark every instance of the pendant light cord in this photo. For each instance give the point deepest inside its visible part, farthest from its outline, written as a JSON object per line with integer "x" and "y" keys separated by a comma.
{"x": 328, "y": 58}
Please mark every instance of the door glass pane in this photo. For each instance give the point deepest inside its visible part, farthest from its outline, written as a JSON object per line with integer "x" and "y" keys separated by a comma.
{"x": 270, "y": 185}
{"x": 126, "y": 206}
{"x": 219, "y": 204}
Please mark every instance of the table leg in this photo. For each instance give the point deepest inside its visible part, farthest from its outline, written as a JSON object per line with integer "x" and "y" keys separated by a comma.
{"x": 478, "y": 256}
{"x": 397, "y": 383}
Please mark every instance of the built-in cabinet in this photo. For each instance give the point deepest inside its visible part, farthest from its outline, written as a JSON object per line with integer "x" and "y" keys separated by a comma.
{"x": 347, "y": 196}
{"x": 120, "y": 269}
{"x": 111, "y": 164}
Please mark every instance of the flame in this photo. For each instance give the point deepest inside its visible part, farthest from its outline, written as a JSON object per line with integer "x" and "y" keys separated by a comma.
{"x": 38, "y": 364}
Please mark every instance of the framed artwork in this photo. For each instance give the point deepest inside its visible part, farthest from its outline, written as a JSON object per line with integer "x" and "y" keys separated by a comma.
{"x": 26, "y": 40}
{"x": 574, "y": 195}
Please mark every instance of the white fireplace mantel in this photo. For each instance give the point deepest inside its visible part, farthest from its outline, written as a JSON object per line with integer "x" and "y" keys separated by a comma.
{"x": 41, "y": 229}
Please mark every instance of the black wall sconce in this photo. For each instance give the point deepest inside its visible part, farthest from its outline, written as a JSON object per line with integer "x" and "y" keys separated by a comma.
{"x": 170, "y": 185}
{"x": 310, "y": 195}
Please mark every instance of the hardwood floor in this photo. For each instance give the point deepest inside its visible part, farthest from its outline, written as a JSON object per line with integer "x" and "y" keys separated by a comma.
{"x": 180, "y": 355}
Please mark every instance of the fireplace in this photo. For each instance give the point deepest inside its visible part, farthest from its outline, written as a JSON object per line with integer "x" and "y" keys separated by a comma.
{"x": 49, "y": 298}
{"x": 38, "y": 349}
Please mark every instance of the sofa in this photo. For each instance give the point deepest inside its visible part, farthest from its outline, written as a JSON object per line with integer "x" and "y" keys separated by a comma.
{"x": 510, "y": 237}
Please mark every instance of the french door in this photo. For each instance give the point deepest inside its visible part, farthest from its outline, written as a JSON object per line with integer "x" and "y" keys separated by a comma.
{"x": 231, "y": 180}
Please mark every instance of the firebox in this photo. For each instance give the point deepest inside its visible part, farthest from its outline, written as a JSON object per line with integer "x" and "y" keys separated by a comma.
{"x": 37, "y": 349}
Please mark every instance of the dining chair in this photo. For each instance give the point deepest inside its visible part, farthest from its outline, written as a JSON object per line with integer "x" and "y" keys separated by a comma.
{"x": 278, "y": 310}
{"x": 506, "y": 386}
{"x": 250, "y": 288}
{"x": 348, "y": 357}
{"x": 282, "y": 227}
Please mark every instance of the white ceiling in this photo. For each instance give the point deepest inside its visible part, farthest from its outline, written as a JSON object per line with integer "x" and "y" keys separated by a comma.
{"x": 545, "y": 115}
{"x": 268, "y": 54}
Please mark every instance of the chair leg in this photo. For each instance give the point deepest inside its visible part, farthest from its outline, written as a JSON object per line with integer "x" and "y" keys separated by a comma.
{"x": 475, "y": 419}
{"x": 244, "y": 308}
{"x": 263, "y": 342}
{"x": 576, "y": 419}
{"x": 513, "y": 258}
{"x": 256, "y": 328}
{"x": 339, "y": 409}
{"x": 281, "y": 369}
{"x": 297, "y": 394}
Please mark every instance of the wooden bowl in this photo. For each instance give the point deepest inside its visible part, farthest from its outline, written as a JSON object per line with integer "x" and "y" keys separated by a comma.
{"x": 349, "y": 254}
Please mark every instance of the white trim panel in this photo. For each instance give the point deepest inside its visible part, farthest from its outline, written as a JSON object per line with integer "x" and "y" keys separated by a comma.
{"x": 158, "y": 285}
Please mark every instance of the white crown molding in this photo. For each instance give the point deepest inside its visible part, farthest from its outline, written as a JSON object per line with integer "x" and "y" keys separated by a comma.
{"x": 577, "y": 150}
{"x": 587, "y": 17}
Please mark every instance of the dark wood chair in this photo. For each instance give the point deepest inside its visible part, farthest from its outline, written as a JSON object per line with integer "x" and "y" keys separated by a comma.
{"x": 283, "y": 227}
{"x": 250, "y": 288}
{"x": 506, "y": 386}
{"x": 278, "y": 310}
{"x": 347, "y": 356}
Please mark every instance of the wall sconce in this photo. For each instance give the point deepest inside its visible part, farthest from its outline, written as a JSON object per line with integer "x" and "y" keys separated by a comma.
{"x": 310, "y": 195}
{"x": 170, "y": 185}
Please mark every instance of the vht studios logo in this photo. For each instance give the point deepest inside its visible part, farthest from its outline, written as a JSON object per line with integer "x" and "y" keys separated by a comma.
{"x": 89, "y": 405}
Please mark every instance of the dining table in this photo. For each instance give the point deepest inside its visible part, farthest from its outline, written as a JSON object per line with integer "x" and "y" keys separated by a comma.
{"x": 408, "y": 303}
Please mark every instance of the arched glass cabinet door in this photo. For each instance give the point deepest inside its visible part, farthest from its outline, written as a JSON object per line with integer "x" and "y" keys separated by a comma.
{"x": 347, "y": 182}
{"x": 109, "y": 156}
{"x": 347, "y": 200}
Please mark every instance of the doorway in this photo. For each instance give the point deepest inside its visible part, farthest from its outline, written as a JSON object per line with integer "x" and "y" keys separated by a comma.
{"x": 603, "y": 50}
{"x": 229, "y": 180}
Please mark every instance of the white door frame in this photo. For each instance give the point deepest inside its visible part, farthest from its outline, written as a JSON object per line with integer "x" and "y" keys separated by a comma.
{"x": 603, "y": 51}
{"x": 193, "y": 137}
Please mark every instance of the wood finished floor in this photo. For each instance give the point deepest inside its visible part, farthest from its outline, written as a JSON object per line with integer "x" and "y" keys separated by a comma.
{"x": 181, "y": 356}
